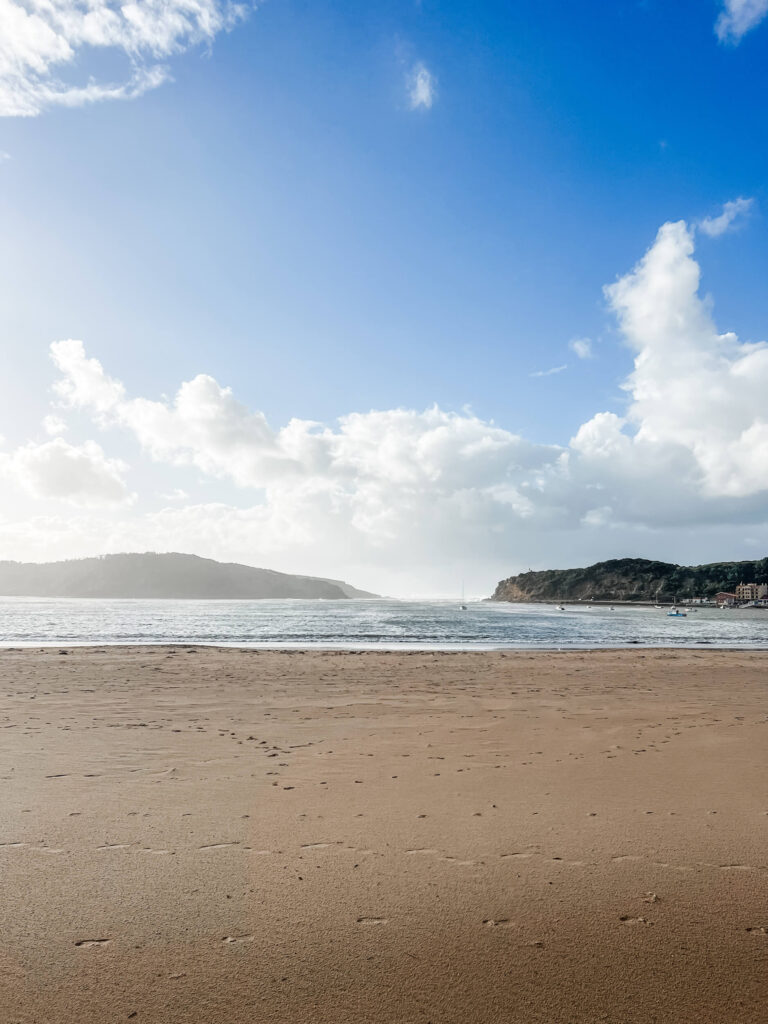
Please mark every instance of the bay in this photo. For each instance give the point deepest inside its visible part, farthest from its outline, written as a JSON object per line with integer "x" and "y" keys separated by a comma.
{"x": 375, "y": 624}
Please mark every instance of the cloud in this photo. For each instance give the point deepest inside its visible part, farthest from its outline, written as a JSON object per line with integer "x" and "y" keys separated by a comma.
{"x": 732, "y": 211}
{"x": 399, "y": 493}
{"x": 582, "y": 347}
{"x": 550, "y": 372}
{"x": 694, "y": 391}
{"x": 692, "y": 442}
{"x": 83, "y": 381}
{"x": 54, "y": 425}
{"x": 204, "y": 426}
{"x": 365, "y": 456}
{"x": 422, "y": 87}
{"x": 738, "y": 17}
{"x": 43, "y": 40}
{"x": 55, "y": 469}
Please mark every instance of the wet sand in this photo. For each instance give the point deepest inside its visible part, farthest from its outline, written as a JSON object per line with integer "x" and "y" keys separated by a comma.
{"x": 202, "y": 835}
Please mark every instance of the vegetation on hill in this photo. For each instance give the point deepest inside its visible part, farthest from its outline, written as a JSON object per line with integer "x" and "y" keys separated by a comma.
{"x": 161, "y": 576}
{"x": 631, "y": 579}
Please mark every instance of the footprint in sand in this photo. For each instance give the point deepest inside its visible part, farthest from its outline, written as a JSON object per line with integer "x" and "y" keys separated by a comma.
{"x": 425, "y": 850}
{"x": 34, "y": 849}
{"x": 516, "y": 856}
{"x": 498, "y": 922}
{"x": 759, "y": 931}
{"x": 372, "y": 920}
{"x": 230, "y": 939}
{"x": 217, "y": 846}
{"x": 626, "y": 919}
{"x": 87, "y": 943}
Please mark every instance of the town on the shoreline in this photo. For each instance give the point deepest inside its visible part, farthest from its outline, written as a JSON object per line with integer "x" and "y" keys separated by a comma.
{"x": 746, "y": 595}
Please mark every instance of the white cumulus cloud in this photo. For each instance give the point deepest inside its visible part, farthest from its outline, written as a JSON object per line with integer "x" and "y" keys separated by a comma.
{"x": 81, "y": 475}
{"x": 205, "y": 426}
{"x": 738, "y": 17}
{"x": 693, "y": 389}
{"x": 731, "y": 212}
{"x": 54, "y": 425}
{"x": 691, "y": 443}
{"x": 582, "y": 347}
{"x": 400, "y": 491}
{"x": 422, "y": 87}
{"x": 43, "y": 43}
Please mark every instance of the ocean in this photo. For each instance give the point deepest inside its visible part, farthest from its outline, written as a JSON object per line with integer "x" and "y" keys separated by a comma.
{"x": 379, "y": 624}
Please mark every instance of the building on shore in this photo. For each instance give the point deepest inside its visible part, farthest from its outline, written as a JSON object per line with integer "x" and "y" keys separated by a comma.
{"x": 751, "y": 591}
{"x": 753, "y": 594}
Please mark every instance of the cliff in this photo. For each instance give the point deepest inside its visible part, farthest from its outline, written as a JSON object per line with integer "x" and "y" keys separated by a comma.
{"x": 153, "y": 575}
{"x": 631, "y": 579}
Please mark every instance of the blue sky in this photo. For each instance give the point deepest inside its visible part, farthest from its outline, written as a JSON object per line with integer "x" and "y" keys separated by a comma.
{"x": 285, "y": 215}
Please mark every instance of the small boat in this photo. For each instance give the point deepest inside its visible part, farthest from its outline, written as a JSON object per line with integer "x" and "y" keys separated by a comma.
{"x": 561, "y": 608}
{"x": 673, "y": 613}
{"x": 462, "y": 605}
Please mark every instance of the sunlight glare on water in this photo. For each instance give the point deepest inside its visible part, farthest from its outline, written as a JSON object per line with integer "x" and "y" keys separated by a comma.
{"x": 374, "y": 623}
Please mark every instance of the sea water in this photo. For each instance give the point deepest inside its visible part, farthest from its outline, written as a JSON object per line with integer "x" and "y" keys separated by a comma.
{"x": 376, "y": 624}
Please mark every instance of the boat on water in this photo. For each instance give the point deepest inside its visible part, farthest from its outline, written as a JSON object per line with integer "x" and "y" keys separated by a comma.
{"x": 561, "y": 607}
{"x": 462, "y": 604}
{"x": 673, "y": 613}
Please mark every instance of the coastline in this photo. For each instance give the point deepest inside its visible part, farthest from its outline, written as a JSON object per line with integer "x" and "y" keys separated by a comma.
{"x": 631, "y": 604}
{"x": 361, "y": 647}
{"x": 374, "y": 647}
{"x": 203, "y": 834}
{"x": 377, "y": 626}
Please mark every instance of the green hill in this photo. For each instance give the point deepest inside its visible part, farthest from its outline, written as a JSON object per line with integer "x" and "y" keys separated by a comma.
{"x": 169, "y": 575}
{"x": 631, "y": 579}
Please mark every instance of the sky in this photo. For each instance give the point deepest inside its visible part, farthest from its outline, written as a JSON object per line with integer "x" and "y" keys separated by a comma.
{"x": 410, "y": 294}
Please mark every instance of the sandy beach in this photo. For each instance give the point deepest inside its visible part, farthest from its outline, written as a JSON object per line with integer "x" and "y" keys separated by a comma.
{"x": 210, "y": 836}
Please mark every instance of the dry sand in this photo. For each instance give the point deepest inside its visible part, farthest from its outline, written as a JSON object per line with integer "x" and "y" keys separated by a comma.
{"x": 235, "y": 836}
